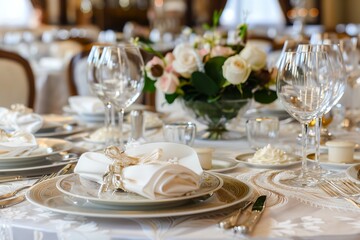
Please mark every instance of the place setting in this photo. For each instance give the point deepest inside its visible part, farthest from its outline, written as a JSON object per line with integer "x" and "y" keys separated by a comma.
{"x": 182, "y": 188}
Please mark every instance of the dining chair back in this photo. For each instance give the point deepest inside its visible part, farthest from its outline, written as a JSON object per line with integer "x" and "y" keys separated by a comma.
{"x": 17, "y": 84}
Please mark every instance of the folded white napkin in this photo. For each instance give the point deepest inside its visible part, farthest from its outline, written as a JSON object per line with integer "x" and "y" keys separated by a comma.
{"x": 18, "y": 143}
{"x": 175, "y": 173}
{"x": 86, "y": 104}
{"x": 20, "y": 118}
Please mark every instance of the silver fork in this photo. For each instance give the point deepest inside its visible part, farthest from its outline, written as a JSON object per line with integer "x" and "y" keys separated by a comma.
{"x": 334, "y": 191}
{"x": 13, "y": 193}
{"x": 62, "y": 171}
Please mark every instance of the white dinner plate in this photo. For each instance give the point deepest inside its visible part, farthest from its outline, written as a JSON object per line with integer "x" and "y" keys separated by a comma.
{"x": 47, "y": 196}
{"x": 99, "y": 116}
{"x": 61, "y": 131}
{"x": 333, "y": 165}
{"x": 244, "y": 158}
{"x": 46, "y": 147}
{"x": 352, "y": 173}
{"x": 223, "y": 164}
{"x": 87, "y": 190}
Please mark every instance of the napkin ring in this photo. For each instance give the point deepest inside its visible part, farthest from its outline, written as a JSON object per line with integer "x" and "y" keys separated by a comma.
{"x": 113, "y": 179}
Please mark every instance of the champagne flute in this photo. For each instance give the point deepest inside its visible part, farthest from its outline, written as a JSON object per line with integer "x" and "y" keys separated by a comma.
{"x": 303, "y": 88}
{"x": 122, "y": 78}
{"x": 93, "y": 80}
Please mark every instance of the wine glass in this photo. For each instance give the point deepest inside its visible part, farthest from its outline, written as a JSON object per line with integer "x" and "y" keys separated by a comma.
{"x": 338, "y": 77}
{"x": 94, "y": 82}
{"x": 303, "y": 88}
{"x": 348, "y": 47}
{"x": 122, "y": 78}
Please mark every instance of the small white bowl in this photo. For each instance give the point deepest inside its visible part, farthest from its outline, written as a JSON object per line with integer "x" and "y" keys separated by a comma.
{"x": 205, "y": 157}
{"x": 340, "y": 151}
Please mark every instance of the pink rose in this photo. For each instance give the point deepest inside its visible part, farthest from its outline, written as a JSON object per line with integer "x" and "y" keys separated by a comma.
{"x": 167, "y": 83}
{"x": 221, "y": 51}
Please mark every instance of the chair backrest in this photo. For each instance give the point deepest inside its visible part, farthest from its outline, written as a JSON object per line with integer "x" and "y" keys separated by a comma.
{"x": 77, "y": 73}
{"x": 17, "y": 84}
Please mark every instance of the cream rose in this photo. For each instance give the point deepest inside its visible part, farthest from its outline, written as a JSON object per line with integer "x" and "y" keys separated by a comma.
{"x": 185, "y": 62}
{"x": 254, "y": 56}
{"x": 167, "y": 83}
{"x": 221, "y": 51}
{"x": 236, "y": 70}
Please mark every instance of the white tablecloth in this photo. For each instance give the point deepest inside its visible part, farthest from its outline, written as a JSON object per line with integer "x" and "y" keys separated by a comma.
{"x": 291, "y": 213}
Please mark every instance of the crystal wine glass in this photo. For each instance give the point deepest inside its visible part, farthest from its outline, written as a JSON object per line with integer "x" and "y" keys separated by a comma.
{"x": 304, "y": 88}
{"x": 338, "y": 77}
{"x": 122, "y": 78}
{"x": 94, "y": 82}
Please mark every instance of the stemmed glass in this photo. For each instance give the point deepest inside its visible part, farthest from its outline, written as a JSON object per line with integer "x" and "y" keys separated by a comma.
{"x": 304, "y": 88}
{"x": 122, "y": 78}
{"x": 94, "y": 82}
{"x": 338, "y": 78}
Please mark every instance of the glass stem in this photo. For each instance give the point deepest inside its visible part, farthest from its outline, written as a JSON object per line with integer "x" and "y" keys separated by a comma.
{"x": 107, "y": 119}
{"x": 318, "y": 126}
{"x": 121, "y": 121}
{"x": 304, "y": 132}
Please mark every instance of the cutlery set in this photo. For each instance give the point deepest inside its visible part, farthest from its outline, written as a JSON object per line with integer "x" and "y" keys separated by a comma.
{"x": 342, "y": 189}
{"x": 244, "y": 226}
{"x": 11, "y": 198}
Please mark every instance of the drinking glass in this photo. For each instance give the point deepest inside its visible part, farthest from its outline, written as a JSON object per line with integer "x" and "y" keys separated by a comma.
{"x": 122, "y": 78}
{"x": 180, "y": 132}
{"x": 303, "y": 88}
{"x": 262, "y": 131}
{"x": 337, "y": 75}
{"x": 94, "y": 82}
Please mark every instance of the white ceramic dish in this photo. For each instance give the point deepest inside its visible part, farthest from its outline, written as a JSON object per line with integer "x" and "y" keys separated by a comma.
{"x": 352, "y": 173}
{"x": 223, "y": 164}
{"x": 80, "y": 188}
{"x": 243, "y": 158}
{"x": 47, "y": 147}
{"x": 61, "y": 131}
{"x": 334, "y": 165}
{"x": 47, "y": 196}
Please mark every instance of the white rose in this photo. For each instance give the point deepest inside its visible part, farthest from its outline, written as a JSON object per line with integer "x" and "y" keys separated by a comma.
{"x": 236, "y": 70}
{"x": 254, "y": 56}
{"x": 185, "y": 62}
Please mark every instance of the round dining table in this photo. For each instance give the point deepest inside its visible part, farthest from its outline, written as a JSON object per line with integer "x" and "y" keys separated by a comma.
{"x": 290, "y": 212}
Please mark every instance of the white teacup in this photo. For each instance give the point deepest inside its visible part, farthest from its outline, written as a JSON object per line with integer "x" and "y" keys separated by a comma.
{"x": 340, "y": 151}
{"x": 205, "y": 157}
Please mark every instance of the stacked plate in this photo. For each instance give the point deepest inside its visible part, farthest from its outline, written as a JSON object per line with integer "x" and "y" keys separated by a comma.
{"x": 39, "y": 159}
{"x": 75, "y": 195}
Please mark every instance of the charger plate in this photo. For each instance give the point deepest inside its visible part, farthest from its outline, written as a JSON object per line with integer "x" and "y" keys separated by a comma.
{"x": 46, "y": 195}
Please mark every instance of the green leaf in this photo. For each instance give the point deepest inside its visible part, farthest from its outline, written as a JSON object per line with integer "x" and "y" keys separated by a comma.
{"x": 204, "y": 84}
{"x": 213, "y": 68}
{"x": 170, "y": 98}
{"x": 265, "y": 96}
{"x": 149, "y": 85}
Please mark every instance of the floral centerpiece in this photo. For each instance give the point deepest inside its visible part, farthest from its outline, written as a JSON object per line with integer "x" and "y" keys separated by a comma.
{"x": 215, "y": 79}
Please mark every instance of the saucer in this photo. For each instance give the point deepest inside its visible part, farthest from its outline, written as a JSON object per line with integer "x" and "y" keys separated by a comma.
{"x": 334, "y": 165}
{"x": 352, "y": 173}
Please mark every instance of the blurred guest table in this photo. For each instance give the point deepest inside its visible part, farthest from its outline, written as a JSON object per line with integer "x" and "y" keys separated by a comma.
{"x": 301, "y": 213}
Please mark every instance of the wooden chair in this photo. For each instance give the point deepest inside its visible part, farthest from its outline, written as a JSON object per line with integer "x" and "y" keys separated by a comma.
{"x": 17, "y": 84}
{"x": 77, "y": 61}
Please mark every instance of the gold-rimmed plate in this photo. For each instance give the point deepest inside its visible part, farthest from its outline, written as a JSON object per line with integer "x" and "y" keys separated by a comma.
{"x": 45, "y": 195}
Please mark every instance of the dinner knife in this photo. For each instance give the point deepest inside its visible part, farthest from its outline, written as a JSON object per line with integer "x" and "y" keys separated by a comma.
{"x": 231, "y": 220}
{"x": 257, "y": 209}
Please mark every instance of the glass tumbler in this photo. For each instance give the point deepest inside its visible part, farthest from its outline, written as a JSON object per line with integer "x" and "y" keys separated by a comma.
{"x": 180, "y": 132}
{"x": 262, "y": 131}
